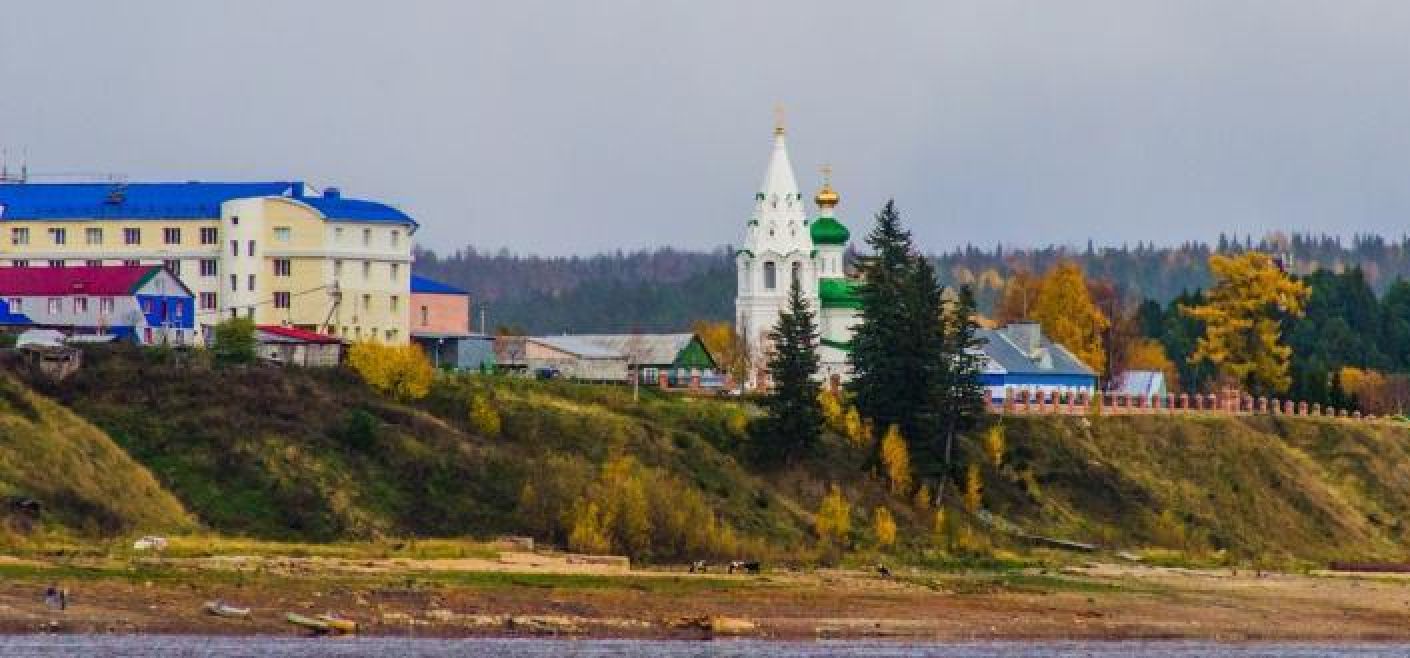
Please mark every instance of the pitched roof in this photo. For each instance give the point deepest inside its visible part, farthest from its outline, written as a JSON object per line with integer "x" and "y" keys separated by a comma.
{"x": 190, "y": 200}
{"x": 577, "y": 346}
{"x": 1050, "y": 358}
{"x": 422, "y": 284}
{"x": 104, "y": 280}
{"x": 283, "y": 334}
{"x": 653, "y": 349}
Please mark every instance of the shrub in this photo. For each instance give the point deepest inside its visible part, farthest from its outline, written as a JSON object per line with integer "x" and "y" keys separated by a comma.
{"x": 897, "y": 461}
{"x": 401, "y": 371}
{"x": 884, "y": 526}
{"x": 940, "y": 529}
{"x": 360, "y": 429}
{"x": 922, "y": 498}
{"x": 973, "y": 489}
{"x": 234, "y": 341}
{"x": 834, "y": 517}
{"x": 589, "y": 532}
{"x": 483, "y": 417}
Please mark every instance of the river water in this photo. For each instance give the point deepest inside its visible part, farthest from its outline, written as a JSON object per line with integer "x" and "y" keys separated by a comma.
{"x": 279, "y": 647}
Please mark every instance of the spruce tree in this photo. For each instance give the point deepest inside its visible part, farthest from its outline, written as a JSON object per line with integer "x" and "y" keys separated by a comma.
{"x": 961, "y": 395}
{"x": 794, "y": 415}
{"x": 895, "y": 349}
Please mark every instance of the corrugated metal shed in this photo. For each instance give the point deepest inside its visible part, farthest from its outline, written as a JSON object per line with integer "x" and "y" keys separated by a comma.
{"x": 647, "y": 349}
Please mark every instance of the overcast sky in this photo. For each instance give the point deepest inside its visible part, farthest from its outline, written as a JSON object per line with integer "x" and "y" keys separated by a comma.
{"x": 558, "y": 127}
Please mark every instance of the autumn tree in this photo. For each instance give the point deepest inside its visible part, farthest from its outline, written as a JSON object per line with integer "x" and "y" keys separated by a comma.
{"x": 884, "y": 526}
{"x": 896, "y": 460}
{"x": 1068, "y": 315}
{"x": 1246, "y": 306}
{"x": 793, "y": 417}
{"x": 1020, "y": 292}
{"x": 730, "y": 351}
{"x": 1149, "y": 354}
{"x": 834, "y": 520}
{"x": 400, "y": 371}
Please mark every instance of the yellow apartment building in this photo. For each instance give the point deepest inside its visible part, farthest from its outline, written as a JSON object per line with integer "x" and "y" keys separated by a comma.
{"x": 271, "y": 251}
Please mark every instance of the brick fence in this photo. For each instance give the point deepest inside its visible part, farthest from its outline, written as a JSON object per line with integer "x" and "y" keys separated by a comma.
{"x": 1228, "y": 402}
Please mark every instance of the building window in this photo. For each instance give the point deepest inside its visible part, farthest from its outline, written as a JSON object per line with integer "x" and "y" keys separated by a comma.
{"x": 173, "y": 265}
{"x": 234, "y": 248}
{"x": 425, "y": 316}
{"x": 395, "y": 271}
{"x": 770, "y": 276}
{"x": 207, "y": 301}
{"x": 93, "y": 236}
{"x": 132, "y": 235}
{"x": 59, "y": 235}
{"x": 171, "y": 235}
{"x": 252, "y": 282}
{"x": 395, "y": 304}
{"x": 80, "y": 304}
{"x": 391, "y": 335}
{"x": 106, "y": 305}
{"x": 797, "y": 273}
{"x": 17, "y": 305}
{"x": 55, "y": 305}
{"x": 252, "y": 248}
{"x": 210, "y": 235}
{"x": 93, "y": 263}
{"x": 208, "y": 267}
{"x": 366, "y": 270}
{"x": 337, "y": 268}
{"x": 396, "y": 239}
{"x": 283, "y": 233}
{"x": 147, "y": 306}
{"x": 19, "y": 236}
{"x": 281, "y": 300}
{"x": 21, "y": 263}
{"x": 234, "y": 283}
{"x": 250, "y": 312}
{"x": 132, "y": 263}
{"x": 338, "y": 236}
{"x": 282, "y": 267}
{"x": 367, "y": 302}
{"x": 367, "y": 237}
{"x": 56, "y": 263}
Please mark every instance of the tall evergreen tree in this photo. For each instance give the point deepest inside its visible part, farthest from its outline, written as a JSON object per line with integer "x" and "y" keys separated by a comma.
{"x": 794, "y": 416}
{"x": 893, "y": 356}
{"x": 961, "y": 396}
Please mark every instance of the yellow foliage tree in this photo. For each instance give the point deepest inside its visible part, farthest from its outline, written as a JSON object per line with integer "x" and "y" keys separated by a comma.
{"x": 834, "y": 520}
{"x": 922, "y": 498}
{"x": 858, "y": 434}
{"x": 896, "y": 459}
{"x": 939, "y": 528}
{"x": 884, "y": 526}
{"x": 832, "y": 409}
{"x": 589, "y": 534}
{"x": 401, "y": 371}
{"x": 1242, "y": 319}
{"x": 1068, "y": 315}
{"x": 994, "y": 445}
{"x": 1149, "y": 354}
{"x": 1019, "y": 296}
{"x": 483, "y": 417}
{"x": 728, "y": 349}
{"x": 973, "y": 489}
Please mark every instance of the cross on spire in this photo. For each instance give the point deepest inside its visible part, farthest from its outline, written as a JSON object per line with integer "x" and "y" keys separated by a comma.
{"x": 778, "y": 118}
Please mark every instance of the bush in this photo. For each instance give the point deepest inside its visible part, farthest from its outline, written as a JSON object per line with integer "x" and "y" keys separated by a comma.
{"x": 234, "y": 341}
{"x": 834, "y": 520}
{"x": 884, "y": 526}
{"x": 897, "y": 461}
{"x": 400, "y": 371}
{"x": 484, "y": 419}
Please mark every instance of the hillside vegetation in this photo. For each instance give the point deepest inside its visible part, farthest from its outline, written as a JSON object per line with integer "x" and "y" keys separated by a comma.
{"x": 84, "y": 482}
{"x": 314, "y": 455}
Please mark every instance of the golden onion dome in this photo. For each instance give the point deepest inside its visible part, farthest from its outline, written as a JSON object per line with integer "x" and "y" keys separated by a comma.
{"x": 827, "y": 197}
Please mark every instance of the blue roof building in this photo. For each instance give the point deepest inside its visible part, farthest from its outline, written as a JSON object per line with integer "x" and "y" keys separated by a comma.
{"x": 1020, "y": 357}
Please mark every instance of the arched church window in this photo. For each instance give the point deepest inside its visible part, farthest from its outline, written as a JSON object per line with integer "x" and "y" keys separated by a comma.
{"x": 770, "y": 275}
{"x": 797, "y": 273}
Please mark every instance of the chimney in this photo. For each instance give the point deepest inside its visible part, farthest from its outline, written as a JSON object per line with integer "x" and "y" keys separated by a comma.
{"x": 1028, "y": 336}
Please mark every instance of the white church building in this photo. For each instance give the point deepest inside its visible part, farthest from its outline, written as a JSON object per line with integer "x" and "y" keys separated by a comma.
{"x": 782, "y": 244}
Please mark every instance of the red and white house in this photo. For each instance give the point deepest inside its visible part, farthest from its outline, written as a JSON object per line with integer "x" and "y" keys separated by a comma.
{"x": 143, "y": 303}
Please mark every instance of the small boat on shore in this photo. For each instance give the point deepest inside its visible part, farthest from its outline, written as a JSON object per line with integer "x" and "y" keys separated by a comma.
{"x": 338, "y": 624}
{"x": 222, "y": 609}
{"x": 311, "y": 624}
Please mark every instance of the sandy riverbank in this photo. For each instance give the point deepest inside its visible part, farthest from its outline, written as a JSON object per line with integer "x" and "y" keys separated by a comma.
{"x": 550, "y": 596}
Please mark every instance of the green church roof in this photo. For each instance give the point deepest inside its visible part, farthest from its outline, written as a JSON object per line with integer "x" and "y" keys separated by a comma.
{"x": 827, "y": 230}
{"x": 838, "y": 293}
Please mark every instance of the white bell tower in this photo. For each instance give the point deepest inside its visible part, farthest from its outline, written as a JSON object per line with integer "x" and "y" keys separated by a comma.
{"x": 777, "y": 248}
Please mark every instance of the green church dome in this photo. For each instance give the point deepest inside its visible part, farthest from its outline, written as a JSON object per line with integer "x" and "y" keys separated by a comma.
{"x": 826, "y": 230}
{"x": 838, "y": 293}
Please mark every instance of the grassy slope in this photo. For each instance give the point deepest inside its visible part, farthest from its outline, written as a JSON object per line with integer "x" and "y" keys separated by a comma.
{"x": 85, "y": 482}
{"x": 1256, "y": 487}
{"x": 313, "y": 455}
